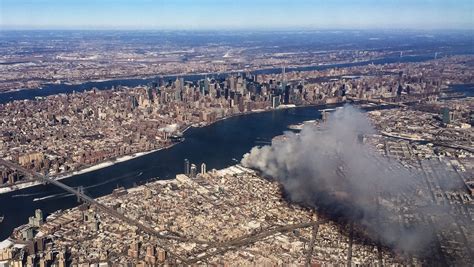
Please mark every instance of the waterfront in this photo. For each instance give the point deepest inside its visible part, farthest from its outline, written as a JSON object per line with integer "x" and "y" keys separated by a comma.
{"x": 218, "y": 145}
{"x": 51, "y": 89}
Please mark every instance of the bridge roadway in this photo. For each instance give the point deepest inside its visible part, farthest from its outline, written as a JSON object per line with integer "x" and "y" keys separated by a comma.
{"x": 220, "y": 248}
{"x": 376, "y": 101}
{"x": 400, "y": 101}
{"x": 105, "y": 209}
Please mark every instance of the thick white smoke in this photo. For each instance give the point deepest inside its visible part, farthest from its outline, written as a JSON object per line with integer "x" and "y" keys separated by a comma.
{"x": 331, "y": 170}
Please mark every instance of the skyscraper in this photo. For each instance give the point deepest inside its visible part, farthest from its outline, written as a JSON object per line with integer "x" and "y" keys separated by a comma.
{"x": 181, "y": 84}
{"x": 203, "y": 168}
{"x": 193, "y": 171}
{"x": 286, "y": 94}
{"x": 275, "y": 101}
{"x": 446, "y": 117}
{"x": 186, "y": 166}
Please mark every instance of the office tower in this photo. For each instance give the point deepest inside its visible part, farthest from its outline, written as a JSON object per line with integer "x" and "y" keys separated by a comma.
{"x": 226, "y": 93}
{"x": 232, "y": 82}
{"x": 134, "y": 102}
{"x": 162, "y": 255}
{"x": 275, "y": 101}
{"x": 149, "y": 93}
{"x": 181, "y": 84}
{"x": 399, "y": 90}
{"x": 446, "y": 116}
{"x": 36, "y": 220}
{"x": 203, "y": 168}
{"x": 177, "y": 83}
{"x": 286, "y": 99}
{"x": 28, "y": 233}
{"x": 61, "y": 259}
{"x": 193, "y": 171}
{"x": 134, "y": 250}
{"x": 39, "y": 216}
{"x": 206, "y": 86}
{"x": 150, "y": 255}
{"x": 186, "y": 166}
{"x": 177, "y": 95}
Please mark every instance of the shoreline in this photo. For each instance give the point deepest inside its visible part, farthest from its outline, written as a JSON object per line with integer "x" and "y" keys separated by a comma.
{"x": 152, "y": 76}
{"x": 98, "y": 166}
{"x": 113, "y": 161}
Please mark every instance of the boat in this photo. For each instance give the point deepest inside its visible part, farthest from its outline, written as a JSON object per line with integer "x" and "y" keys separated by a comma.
{"x": 327, "y": 110}
{"x": 296, "y": 127}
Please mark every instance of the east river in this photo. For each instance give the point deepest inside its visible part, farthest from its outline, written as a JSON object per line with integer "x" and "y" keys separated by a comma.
{"x": 51, "y": 89}
{"x": 218, "y": 145}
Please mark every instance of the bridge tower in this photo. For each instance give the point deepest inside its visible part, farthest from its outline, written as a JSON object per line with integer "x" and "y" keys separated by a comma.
{"x": 80, "y": 189}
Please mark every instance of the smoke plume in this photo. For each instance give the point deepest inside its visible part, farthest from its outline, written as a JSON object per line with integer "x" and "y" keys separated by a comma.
{"x": 329, "y": 168}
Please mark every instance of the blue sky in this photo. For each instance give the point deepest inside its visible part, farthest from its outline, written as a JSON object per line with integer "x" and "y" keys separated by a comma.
{"x": 218, "y": 14}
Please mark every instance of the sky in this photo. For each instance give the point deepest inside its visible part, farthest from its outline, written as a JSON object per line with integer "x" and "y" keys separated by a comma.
{"x": 236, "y": 14}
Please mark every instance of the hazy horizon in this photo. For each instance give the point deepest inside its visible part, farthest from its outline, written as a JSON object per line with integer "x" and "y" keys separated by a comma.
{"x": 235, "y": 15}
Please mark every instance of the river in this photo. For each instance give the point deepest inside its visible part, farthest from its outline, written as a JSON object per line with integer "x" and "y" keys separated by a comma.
{"x": 218, "y": 145}
{"x": 51, "y": 89}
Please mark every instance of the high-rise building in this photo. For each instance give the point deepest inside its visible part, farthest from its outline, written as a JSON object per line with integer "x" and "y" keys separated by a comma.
{"x": 149, "y": 93}
{"x": 193, "y": 171}
{"x": 134, "y": 102}
{"x": 177, "y": 83}
{"x": 275, "y": 101}
{"x": 39, "y": 215}
{"x": 446, "y": 116}
{"x": 150, "y": 255}
{"x": 207, "y": 83}
{"x": 134, "y": 250}
{"x": 162, "y": 255}
{"x": 399, "y": 90}
{"x": 186, "y": 166}
{"x": 286, "y": 90}
{"x": 203, "y": 168}
{"x": 181, "y": 84}
{"x": 38, "y": 219}
{"x": 28, "y": 233}
{"x": 61, "y": 259}
{"x": 232, "y": 82}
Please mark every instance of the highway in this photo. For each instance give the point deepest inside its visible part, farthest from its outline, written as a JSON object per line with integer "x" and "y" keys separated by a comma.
{"x": 212, "y": 248}
{"x": 112, "y": 212}
{"x": 351, "y": 241}
{"x": 309, "y": 252}
{"x": 246, "y": 240}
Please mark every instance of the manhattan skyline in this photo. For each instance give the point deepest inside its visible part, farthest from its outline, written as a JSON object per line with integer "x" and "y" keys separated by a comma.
{"x": 260, "y": 14}
{"x": 236, "y": 133}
